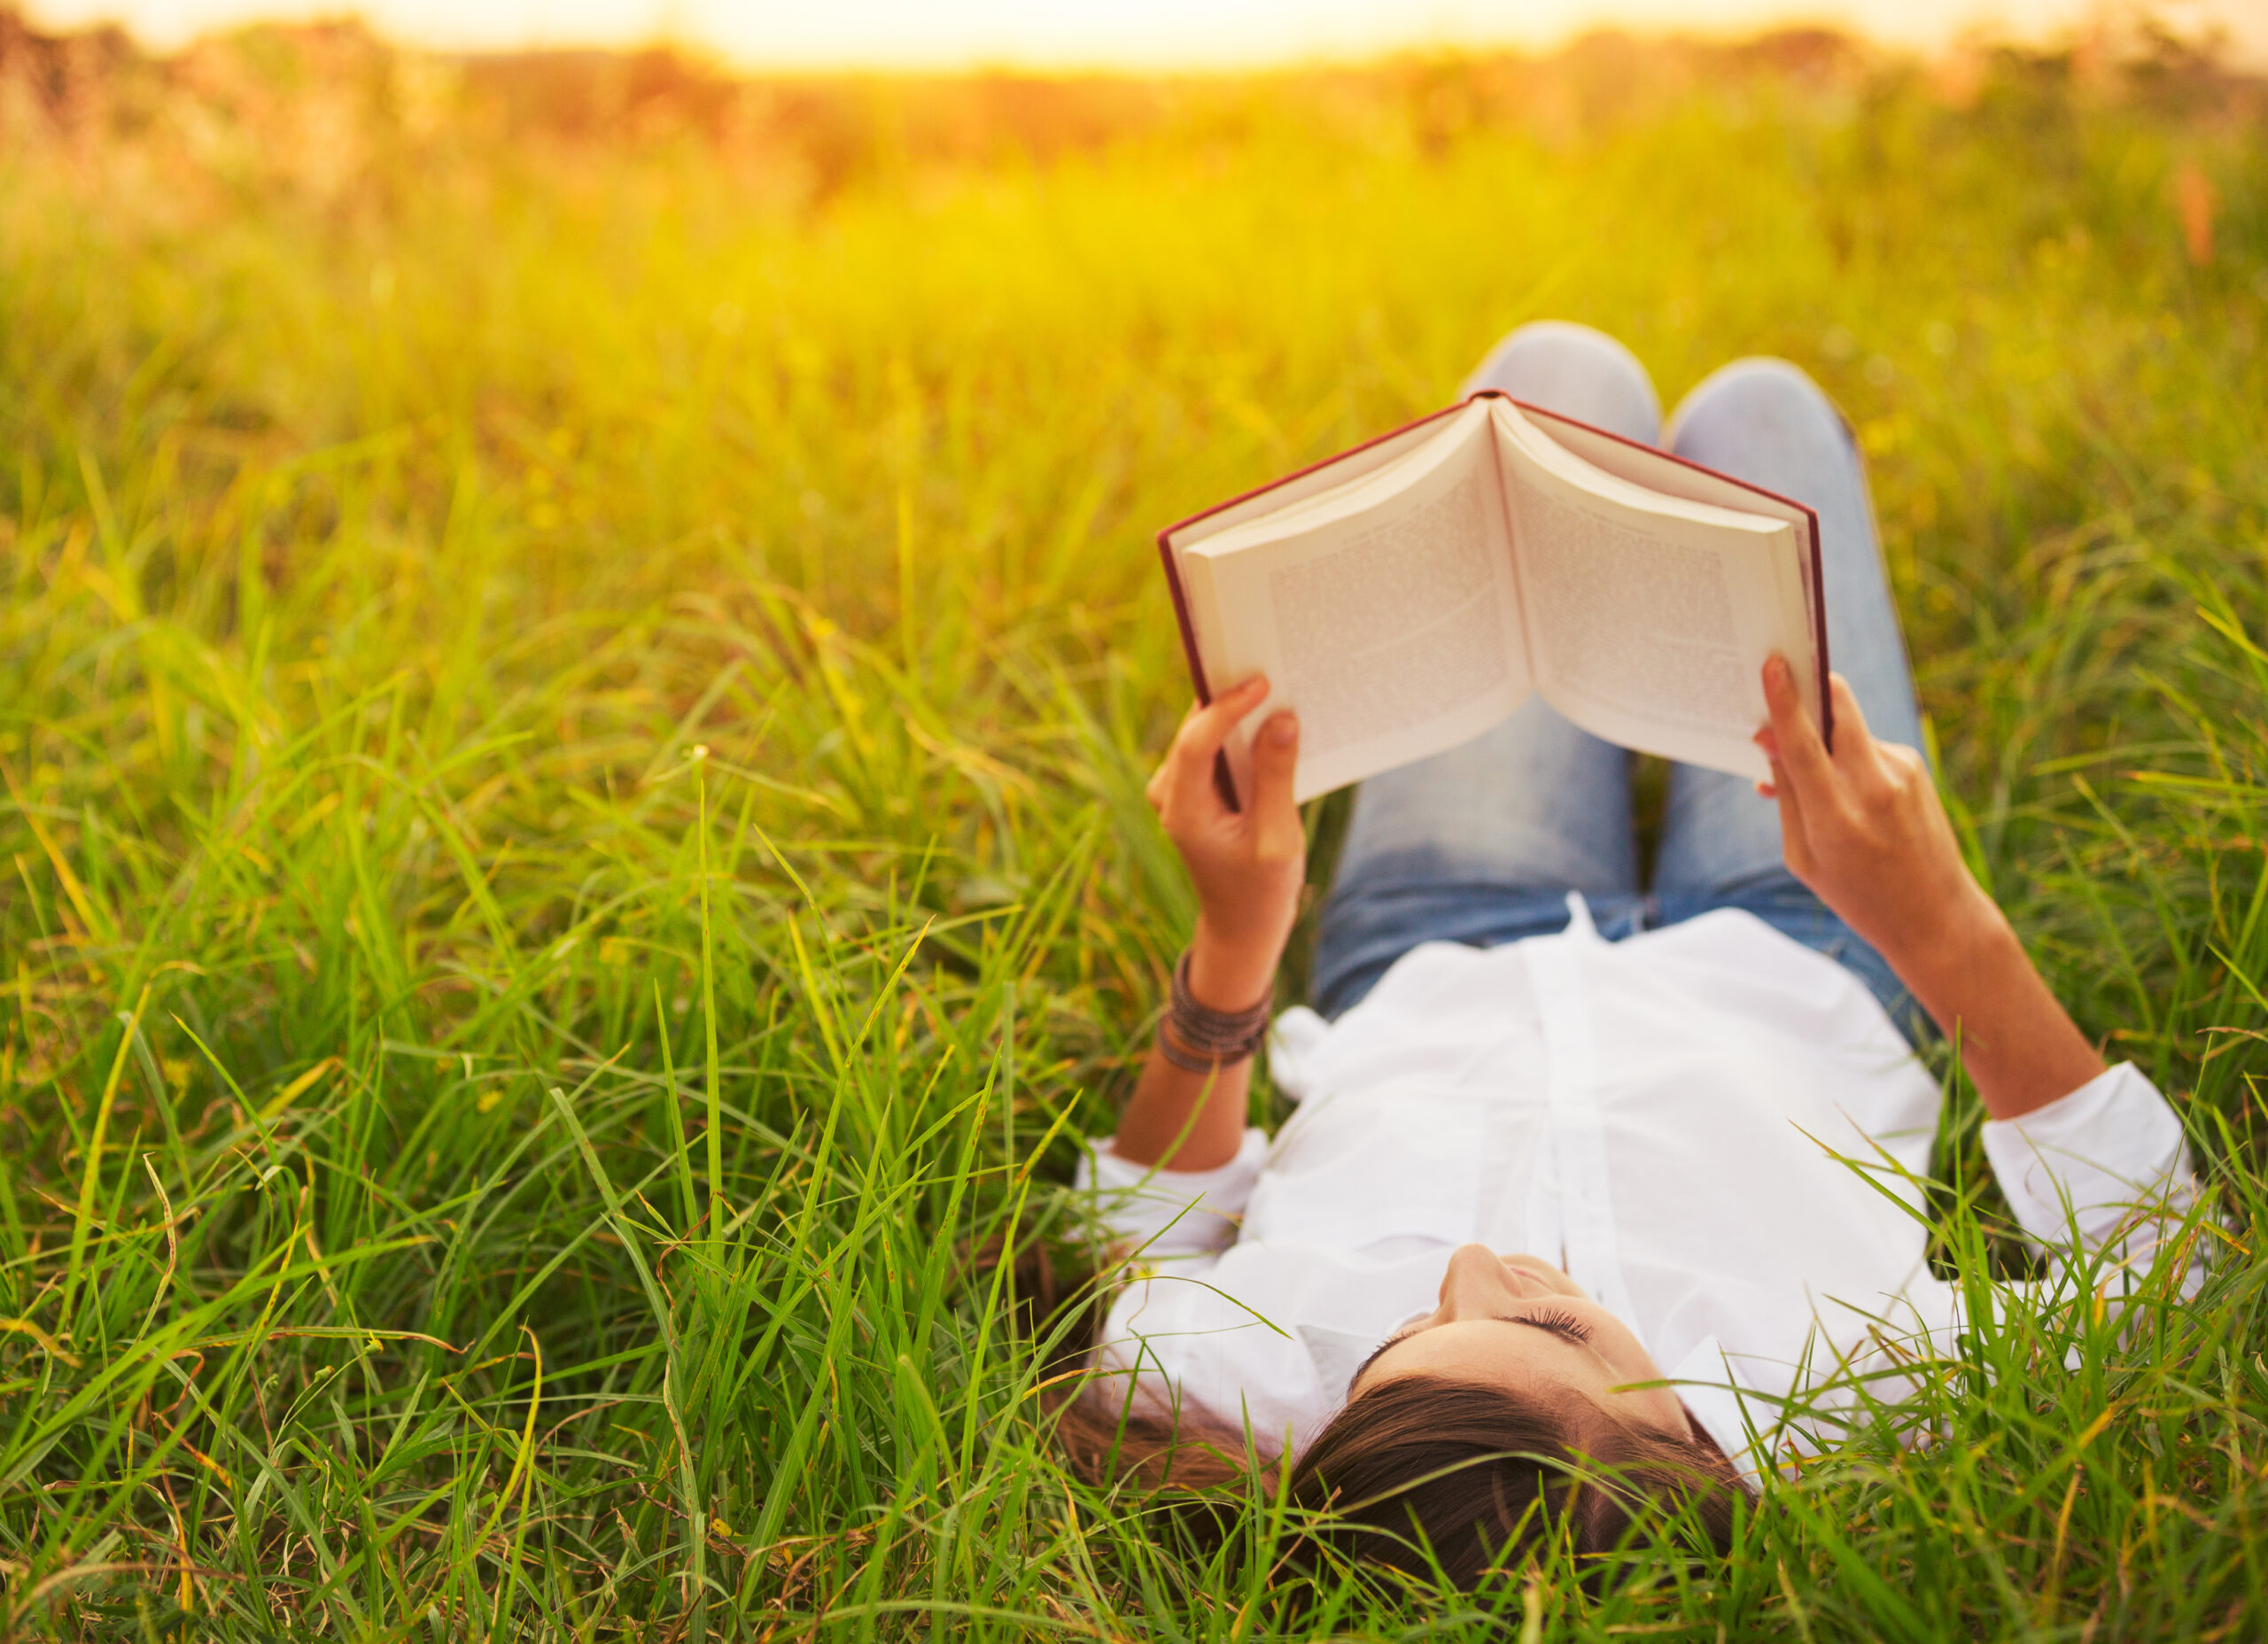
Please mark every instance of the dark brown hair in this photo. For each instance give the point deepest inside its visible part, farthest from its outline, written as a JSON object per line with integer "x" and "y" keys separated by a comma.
{"x": 1420, "y": 1472}
{"x": 1417, "y": 1473}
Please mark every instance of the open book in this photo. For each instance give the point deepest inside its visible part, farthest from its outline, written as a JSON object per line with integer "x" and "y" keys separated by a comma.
{"x": 1408, "y": 594}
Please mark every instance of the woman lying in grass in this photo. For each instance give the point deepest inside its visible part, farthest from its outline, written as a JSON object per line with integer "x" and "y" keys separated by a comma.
{"x": 1588, "y": 1179}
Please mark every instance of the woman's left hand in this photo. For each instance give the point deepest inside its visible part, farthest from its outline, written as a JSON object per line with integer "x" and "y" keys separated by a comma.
{"x": 1248, "y": 866}
{"x": 1863, "y": 826}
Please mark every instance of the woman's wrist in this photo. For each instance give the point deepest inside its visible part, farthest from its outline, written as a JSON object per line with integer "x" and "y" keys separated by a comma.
{"x": 1969, "y": 931}
{"x": 1228, "y": 974}
{"x": 2020, "y": 1047}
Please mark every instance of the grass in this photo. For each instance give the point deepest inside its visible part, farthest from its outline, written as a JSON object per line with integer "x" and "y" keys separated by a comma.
{"x": 574, "y": 688}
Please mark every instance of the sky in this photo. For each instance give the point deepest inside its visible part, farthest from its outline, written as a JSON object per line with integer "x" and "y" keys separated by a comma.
{"x": 1114, "y": 33}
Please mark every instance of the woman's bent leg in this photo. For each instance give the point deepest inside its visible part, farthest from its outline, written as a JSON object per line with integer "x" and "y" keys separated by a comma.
{"x": 1765, "y": 422}
{"x": 1481, "y": 844}
{"x": 1576, "y": 371}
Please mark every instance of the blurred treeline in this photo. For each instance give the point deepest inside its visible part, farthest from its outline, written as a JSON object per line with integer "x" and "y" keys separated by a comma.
{"x": 335, "y": 115}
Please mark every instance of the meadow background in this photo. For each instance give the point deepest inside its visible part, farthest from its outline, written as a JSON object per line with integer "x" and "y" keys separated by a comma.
{"x": 579, "y": 641}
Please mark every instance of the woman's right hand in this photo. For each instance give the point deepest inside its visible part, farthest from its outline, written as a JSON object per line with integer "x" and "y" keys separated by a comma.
{"x": 1248, "y": 866}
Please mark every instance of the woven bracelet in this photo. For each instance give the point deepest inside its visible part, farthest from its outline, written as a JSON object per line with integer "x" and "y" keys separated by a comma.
{"x": 1202, "y": 1040}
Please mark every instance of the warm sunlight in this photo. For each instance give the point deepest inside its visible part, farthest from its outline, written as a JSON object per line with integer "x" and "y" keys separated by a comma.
{"x": 1128, "y": 34}
{"x": 638, "y": 1004}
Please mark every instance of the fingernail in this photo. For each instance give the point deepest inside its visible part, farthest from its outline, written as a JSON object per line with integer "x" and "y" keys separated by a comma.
{"x": 1284, "y": 730}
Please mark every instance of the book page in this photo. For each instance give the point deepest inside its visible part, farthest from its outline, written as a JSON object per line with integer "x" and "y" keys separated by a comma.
{"x": 1386, "y": 616}
{"x": 1658, "y": 471}
{"x": 1333, "y": 475}
{"x": 1650, "y": 616}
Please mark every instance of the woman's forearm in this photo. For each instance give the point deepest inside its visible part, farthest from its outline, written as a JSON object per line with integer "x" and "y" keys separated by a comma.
{"x": 2019, "y": 1046}
{"x": 1186, "y": 1120}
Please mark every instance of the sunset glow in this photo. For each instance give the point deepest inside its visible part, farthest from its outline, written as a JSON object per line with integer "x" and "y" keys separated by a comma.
{"x": 1120, "y": 33}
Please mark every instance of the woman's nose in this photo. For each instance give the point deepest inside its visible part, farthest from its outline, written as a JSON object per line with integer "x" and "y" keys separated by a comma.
{"x": 1475, "y": 1279}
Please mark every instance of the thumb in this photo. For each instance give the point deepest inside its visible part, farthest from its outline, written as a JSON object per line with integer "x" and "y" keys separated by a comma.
{"x": 1275, "y": 762}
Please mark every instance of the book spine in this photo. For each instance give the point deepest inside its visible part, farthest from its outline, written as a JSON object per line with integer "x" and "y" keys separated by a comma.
{"x": 1223, "y": 781}
{"x": 1819, "y": 633}
{"x": 1181, "y": 615}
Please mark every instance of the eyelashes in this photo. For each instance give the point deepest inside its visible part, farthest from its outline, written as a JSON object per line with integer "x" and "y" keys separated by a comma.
{"x": 1558, "y": 1321}
{"x": 1559, "y": 1324}
{"x": 1373, "y": 1358}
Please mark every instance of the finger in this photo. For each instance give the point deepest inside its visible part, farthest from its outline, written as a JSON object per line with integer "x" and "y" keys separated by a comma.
{"x": 1795, "y": 749}
{"x": 1864, "y": 762}
{"x": 1201, "y": 734}
{"x": 1907, "y": 760}
{"x": 1275, "y": 813}
{"x": 1906, "y": 774}
{"x": 1852, "y": 737}
{"x": 1160, "y": 783}
{"x": 1159, "y": 790}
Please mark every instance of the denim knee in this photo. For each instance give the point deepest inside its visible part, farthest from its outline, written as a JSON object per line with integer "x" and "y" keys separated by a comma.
{"x": 1758, "y": 388}
{"x": 1578, "y": 371}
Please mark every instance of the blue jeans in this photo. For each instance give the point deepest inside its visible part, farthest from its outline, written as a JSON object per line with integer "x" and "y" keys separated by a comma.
{"x": 1482, "y": 843}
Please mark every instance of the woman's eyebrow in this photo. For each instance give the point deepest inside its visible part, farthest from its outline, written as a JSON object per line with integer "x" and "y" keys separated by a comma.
{"x": 1503, "y": 1318}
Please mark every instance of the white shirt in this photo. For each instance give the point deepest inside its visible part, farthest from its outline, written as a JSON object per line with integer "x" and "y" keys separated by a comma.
{"x": 1713, "y": 1129}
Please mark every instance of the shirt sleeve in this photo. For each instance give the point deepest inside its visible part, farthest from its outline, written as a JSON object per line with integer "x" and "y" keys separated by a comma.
{"x": 1179, "y": 1343}
{"x": 1171, "y": 1213}
{"x": 2104, "y": 1171}
{"x": 2106, "y": 1168}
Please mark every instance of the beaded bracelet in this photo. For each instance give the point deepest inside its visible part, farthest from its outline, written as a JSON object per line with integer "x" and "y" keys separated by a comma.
{"x": 1202, "y": 1040}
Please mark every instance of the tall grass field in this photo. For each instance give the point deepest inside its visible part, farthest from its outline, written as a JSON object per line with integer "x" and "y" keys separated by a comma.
{"x": 579, "y": 643}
